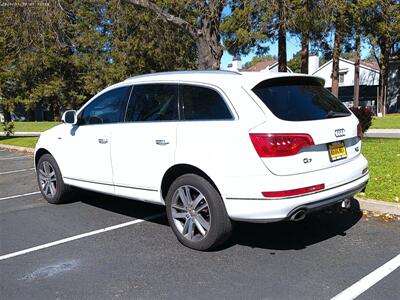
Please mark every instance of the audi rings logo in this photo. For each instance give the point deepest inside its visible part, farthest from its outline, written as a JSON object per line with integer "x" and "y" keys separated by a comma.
{"x": 340, "y": 132}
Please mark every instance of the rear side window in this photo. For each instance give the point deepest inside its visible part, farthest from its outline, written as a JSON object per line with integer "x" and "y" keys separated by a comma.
{"x": 106, "y": 108}
{"x": 299, "y": 99}
{"x": 153, "y": 102}
{"x": 200, "y": 103}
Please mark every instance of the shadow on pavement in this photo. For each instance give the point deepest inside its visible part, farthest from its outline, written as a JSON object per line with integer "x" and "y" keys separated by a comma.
{"x": 314, "y": 229}
{"x": 127, "y": 207}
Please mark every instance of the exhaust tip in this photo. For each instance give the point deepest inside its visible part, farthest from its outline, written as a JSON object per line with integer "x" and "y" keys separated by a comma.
{"x": 298, "y": 215}
{"x": 346, "y": 203}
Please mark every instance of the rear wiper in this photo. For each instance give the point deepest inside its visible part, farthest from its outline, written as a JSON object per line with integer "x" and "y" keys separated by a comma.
{"x": 337, "y": 114}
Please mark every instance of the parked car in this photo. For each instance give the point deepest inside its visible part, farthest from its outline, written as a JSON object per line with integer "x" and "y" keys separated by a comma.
{"x": 14, "y": 117}
{"x": 212, "y": 146}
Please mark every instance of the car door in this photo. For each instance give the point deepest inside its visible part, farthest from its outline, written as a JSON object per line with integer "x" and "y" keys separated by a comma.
{"x": 87, "y": 145}
{"x": 143, "y": 147}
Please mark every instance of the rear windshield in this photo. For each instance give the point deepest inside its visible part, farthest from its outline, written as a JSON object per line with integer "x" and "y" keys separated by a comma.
{"x": 299, "y": 99}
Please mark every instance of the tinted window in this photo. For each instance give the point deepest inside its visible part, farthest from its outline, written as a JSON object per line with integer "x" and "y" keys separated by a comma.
{"x": 299, "y": 99}
{"x": 200, "y": 103}
{"x": 107, "y": 108}
{"x": 153, "y": 102}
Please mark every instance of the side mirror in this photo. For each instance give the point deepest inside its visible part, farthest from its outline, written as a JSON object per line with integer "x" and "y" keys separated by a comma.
{"x": 70, "y": 117}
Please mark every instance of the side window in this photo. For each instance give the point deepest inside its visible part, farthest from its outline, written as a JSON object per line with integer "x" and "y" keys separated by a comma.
{"x": 200, "y": 103}
{"x": 107, "y": 108}
{"x": 153, "y": 102}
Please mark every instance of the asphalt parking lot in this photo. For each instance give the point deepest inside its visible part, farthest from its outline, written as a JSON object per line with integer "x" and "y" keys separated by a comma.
{"x": 99, "y": 247}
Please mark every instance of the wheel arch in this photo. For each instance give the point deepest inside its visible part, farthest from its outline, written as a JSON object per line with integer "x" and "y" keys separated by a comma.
{"x": 39, "y": 153}
{"x": 178, "y": 170}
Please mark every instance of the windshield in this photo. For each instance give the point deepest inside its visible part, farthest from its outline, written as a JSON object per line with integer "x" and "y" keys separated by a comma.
{"x": 299, "y": 99}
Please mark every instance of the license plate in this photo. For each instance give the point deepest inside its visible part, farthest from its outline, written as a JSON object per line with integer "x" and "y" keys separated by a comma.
{"x": 337, "y": 151}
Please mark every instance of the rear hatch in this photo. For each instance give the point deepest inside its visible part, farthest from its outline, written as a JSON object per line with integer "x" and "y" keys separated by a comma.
{"x": 306, "y": 129}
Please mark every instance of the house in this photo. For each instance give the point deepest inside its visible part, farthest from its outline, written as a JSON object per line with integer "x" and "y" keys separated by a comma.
{"x": 369, "y": 80}
{"x": 267, "y": 65}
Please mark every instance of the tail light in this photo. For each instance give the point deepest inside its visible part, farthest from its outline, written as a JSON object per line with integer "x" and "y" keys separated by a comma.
{"x": 295, "y": 192}
{"x": 281, "y": 144}
{"x": 360, "y": 133}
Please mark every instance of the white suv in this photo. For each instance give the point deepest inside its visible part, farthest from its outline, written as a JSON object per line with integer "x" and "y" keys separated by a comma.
{"x": 212, "y": 146}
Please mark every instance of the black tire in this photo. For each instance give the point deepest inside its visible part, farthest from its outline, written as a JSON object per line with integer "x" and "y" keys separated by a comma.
{"x": 220, "y": 226}
{"x": 62, "y": 192}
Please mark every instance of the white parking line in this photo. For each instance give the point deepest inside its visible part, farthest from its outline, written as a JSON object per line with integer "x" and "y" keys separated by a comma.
{"x": 368, "y": 281}
{"x": 79, "y": 236}
{"x": 14, "y": 157}
{"x": 17, "y": 171}
{"x": 17, "y": 196}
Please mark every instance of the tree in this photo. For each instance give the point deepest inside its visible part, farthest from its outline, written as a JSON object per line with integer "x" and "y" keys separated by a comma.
{"x": 253, "y": 23}
{"x": 382, "y": 20}
{"x": 309, "y": 21}
{"x": 257, "y": 59}
{"x": 337, "y": 17}
{"x": 77, "y": 48}
{"x": 247, "y": 27}
{"x": 282, "y": 15}
{"x": 296, "y": 63}
{"x": 201, "y": 20}
{"x": 357, "y": 32}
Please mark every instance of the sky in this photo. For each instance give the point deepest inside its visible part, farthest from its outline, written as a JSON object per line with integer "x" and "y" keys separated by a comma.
{"x": 292, "y": 47}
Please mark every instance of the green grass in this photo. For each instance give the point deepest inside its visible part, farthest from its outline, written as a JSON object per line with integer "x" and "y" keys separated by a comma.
{"x": 29, "y": 142}
{"x": 391, "y": 121}
{"x": 383, "y": 156}
{"x": 34, "y": 126}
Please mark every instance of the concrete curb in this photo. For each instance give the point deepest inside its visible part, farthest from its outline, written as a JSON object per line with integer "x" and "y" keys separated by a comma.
{"x": 17, "y": 148}
{"x": 21, "y": 133}
{"x": 379, "y": 206}
{"x": 383, "y": 133}
{"x": 365, "y": 204}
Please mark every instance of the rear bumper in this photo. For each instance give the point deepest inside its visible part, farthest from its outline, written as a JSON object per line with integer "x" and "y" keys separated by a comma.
{"x": 313, "y": 206}
{"x": 349, "y": 181}
{"x": 264, "y": 210}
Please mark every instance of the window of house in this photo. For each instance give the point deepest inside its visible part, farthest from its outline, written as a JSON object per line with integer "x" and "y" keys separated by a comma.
{"x": 341, "y": 78}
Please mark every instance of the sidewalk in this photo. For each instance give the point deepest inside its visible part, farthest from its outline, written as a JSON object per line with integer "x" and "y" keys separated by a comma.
{"x": 383, "y": 133}
{"x": 22, "y": 133}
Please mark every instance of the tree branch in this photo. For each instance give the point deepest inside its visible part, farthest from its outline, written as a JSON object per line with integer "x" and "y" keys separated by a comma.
{"x": 167, "y": 17}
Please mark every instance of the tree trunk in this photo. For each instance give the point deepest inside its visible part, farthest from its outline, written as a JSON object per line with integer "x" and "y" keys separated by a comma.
{"x": 356, "y": 102}
{"x": 205, "y": 33}
{"x": 210, "y": 53}
{"x": 385, "y": 78}
{"x": 335, "y": 63}
{"x": 304, "y": 53}
{"x": 282, "y": 61}
{"x": 6, "y": 114}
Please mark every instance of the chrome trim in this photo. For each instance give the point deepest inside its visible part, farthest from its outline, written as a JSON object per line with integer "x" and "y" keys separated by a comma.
{"x": 111, "y": 184}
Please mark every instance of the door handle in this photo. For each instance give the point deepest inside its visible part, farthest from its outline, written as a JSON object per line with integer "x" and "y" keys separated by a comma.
{"x": 103, "y": 141}
{"x": 162, "y": 142}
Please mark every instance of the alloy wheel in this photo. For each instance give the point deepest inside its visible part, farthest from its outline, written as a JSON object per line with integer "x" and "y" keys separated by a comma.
{"x": 48, "y": 179}
{"x": 191, "y": 213}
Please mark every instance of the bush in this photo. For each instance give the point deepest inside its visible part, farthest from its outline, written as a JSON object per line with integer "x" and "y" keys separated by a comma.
{"x": 8, "y": 128}
{"x": 364, "y": 115}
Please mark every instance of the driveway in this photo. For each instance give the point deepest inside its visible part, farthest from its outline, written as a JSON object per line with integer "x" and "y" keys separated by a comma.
{"x": 102, "y": 247}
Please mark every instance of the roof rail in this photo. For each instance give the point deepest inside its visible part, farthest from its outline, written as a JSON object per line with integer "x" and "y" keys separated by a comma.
{"x": 186, "y": 72}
